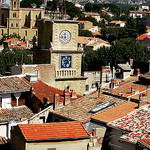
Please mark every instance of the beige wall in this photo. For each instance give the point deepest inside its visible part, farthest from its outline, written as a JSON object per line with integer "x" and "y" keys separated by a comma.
{"x": 77, "y": 85}
{"x": 46, "y": 72}
{"x": 64, "y": 145}
{"x": 76, "y": 61}
{"x": 50, "y": 31}
{"x": 14, "y": 24}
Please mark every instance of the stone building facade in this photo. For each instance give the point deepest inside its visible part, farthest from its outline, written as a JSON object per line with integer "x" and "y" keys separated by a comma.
{"x": 58, "y": 40}
{"x": 19, "y": 21}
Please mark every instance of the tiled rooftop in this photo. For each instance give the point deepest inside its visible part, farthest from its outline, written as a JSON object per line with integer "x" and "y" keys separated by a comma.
{"x": 137, "y": 123}
{"x": 52, "y": 131}
{"x": 13, "y": 84}
{"x": 19, "y": 113}
{"x": 91, "y": 13}
{"x": 87, "y": 40}
{"x": 125, "y": 88}
{"x": 142, "y": 37}
{"x": 42, "y": 90}
{"x": 12, "y": 39}
{"x": 115, "y": 112}
{"x": 80, "y": 109}
{"x": 146, "y": 142}
{"x": 3, "y": 140}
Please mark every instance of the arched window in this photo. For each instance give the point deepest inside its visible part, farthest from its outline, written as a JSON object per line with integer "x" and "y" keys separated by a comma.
{"x": 2, "y": 32}
{"x": 16, "y": 24}
{"x": 25, "y": 33}
{"x": 26, "y": 17}
{"x": 14, "y": 15}
{"x": 11, "y": 24}
{"x": 14, "y": 4}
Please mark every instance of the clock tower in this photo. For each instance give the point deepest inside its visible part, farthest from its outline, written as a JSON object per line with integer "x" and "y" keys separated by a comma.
{"x": 58, "y": 45}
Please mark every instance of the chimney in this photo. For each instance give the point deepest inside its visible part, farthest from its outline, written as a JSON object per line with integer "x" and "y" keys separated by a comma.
{"x": 73, "y": 94}
{"x": 56, "y": 101}
{"x": 99, "y": 90}
{"x": 131, "y": 62}
{"x": 32, "y": 78}
{"x": 148, "y": 95}
{"x": 66, "y": 97}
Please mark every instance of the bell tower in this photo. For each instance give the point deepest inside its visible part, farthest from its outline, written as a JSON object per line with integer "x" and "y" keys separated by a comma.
{"x": 14, "y": 4}
{"x": 57, "y": 45}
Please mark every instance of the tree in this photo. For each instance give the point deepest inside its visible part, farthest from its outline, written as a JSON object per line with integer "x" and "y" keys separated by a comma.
{"x": 120, "y": 52}
{"x": 10, "y": 58}
{"x": 72, "y": 11}
{"x": 27, "y": 3}
{"x": 85, "y": 33}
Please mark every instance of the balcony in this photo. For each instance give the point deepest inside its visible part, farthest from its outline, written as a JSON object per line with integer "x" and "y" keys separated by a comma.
{"x": 65, "y": 73}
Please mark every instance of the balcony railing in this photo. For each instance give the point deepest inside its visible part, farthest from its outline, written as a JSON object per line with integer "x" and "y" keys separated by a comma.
{"x": 66, "y": 73}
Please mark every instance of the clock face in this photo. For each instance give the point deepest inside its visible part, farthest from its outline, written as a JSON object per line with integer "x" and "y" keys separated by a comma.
{"x": 65, "y": 36}
{"x": 66, "y": 61}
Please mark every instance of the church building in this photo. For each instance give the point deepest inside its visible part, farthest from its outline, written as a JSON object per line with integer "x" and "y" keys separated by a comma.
{"x": 19, "y": 21}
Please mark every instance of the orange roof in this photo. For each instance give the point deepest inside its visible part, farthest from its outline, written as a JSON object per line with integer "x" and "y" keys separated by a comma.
{"x": 132, "y": 11}
{"x": 115, "y": 112}
{"x": 142, "y": 37}
{"x": 83, "y": 21}
{"x": 12, "y": 39}
{"x": 21, "y": 43}
{"x": 42, "y": 90}
{"x": 145, "y": 142}
{"x": 52, "y": 131}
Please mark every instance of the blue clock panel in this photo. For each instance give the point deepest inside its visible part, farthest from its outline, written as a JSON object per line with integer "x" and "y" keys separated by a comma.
{"x": 66, "y": 61}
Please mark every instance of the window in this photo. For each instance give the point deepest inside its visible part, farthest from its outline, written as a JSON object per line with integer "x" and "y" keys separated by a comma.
{"x": 36, "y": 33}
{"x": 2, "y": 32}
{"x": 36, "y": 17}
{"x": 14, "y": 15}
{"x": 11, "y": 24}
{"x": 25, "y": 33}
{"x": 16, "y": 24}
{"x": 42, "y": 118}
{"x": 14, "y": 4}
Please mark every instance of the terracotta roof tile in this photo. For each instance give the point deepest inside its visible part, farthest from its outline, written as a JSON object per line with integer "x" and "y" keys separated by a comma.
{"x": 42, "y": 90}
{"x": 80, "y": 109}
{"x": 12, "y": 39}
{"x": 142, "y": 37}
{"x": 59, "y": 130}
{"x": 15, "y": 113}
{"x": 13, "y": 84}
{"x": 115, "y": 112}
{"x": 146, "y": 142}
{"x": 125, "y": 88}
{"x": 136, "y": 123}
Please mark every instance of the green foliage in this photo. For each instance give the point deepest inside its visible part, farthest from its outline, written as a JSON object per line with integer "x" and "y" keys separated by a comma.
{"x": 97, "y": 8}
{"x": 49, "y": 4}
{"x": 10, "y": 58}
{"x": 85, "y": 33}
{"x": 119, "y": 52}
{"x": 72, "y": 11}
{"x": 27, "y": 3}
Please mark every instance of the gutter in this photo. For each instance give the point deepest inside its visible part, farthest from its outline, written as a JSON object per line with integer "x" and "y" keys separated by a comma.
{"x": 58, "y": 139}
